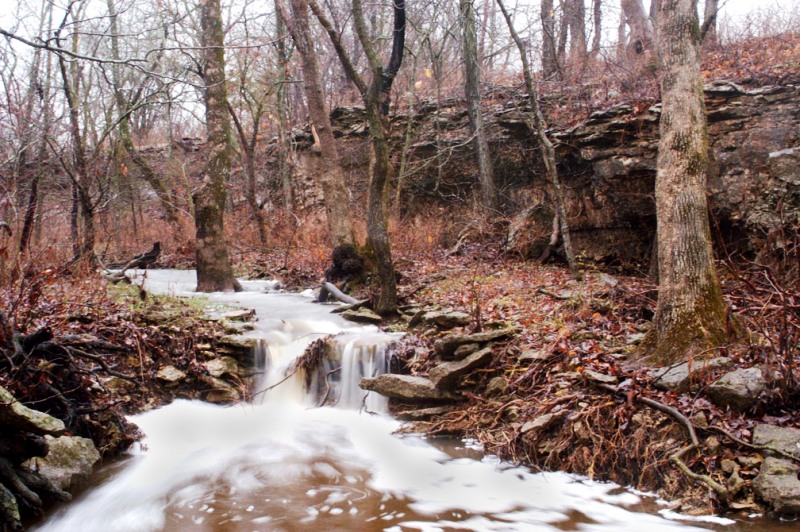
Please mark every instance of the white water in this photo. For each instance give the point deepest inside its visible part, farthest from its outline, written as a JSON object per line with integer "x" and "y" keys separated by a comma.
{"x": 280, "y": 464}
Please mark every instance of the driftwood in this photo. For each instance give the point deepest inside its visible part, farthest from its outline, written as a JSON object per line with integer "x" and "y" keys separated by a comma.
{"x": 142, "y": 261}
{"x": 329, "y": 290}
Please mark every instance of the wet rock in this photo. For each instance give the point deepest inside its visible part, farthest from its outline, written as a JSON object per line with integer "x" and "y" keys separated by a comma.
{"x": 423, "y": 413}
{"x": 688, "y": 375}
{"x": 170, "y": 375}
{"x": 738, "y": 389}
{"x": 496, "y": 386}
{"x": 778, "y": 485}
{"x": 220, "y": 391}
{"x": 222, "y": 366}
{"x": 239, "y": 347}
{"x": 405, "y": 387}
{"x": 240, "y": 315}
{"x": 446, "y": 347}
{"x": 362, "y": 315}
{"x": 15, "y": 415}
{"x": 69, "y": 462}
{"x": 445, "y": 376}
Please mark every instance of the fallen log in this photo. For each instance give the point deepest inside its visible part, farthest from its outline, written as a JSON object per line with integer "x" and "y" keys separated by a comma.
{"x": 329, "y": 290}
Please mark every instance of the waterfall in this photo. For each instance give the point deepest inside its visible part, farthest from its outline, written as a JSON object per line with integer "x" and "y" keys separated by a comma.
{"x": 334, "y": 381}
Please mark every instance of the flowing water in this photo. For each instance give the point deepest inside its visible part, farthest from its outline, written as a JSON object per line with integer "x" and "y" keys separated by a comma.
{"x": 281, "y": 463}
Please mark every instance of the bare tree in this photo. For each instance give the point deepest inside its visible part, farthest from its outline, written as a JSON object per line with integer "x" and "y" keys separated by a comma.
{"x": 539, "y": 128}
{"x": 376, "y": 97}
{"x": 214, "y": 272}
{"x": 641, "y": 36}
{"x": 691, "y": 315}
{"x": 708, "y": 33}
{"x": 326, "y": 155}
{"x": 472, "y": 90}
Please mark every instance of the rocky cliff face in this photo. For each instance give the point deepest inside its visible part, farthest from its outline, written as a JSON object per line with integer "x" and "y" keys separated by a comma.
{"x": 608, "y": 165}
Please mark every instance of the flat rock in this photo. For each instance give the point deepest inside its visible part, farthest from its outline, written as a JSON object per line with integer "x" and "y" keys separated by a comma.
{"x": 463, "y": 351}
{"x": 19, "y": 417}
{"x": 446, "y": 375}
{"x": 170, "y": 375}
{"x": 778, "y": 485}
{"x": 222, "y": 366}
{"x": 69, "y": 462}
{"x": 446, "y": 347}
{"x": 239, "y": 347}
{"x": 362, "y": 315}
{"x": 785, "y": 439}
{"x": 423, "y": 413}
{"x": 738, "y": 389}
{"x": 543, "y": 422}
{"x": 687, "y": 375}
{"x": 601, "y": 378}
{"x": 220, "y": 391}
{"x": 446, "y": 320}
{"x": 405, "y": 387}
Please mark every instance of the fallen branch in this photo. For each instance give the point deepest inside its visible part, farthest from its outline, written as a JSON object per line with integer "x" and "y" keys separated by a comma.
{"x": 329, "y": 290}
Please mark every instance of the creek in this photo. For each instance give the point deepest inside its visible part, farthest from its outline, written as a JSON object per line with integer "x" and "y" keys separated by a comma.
{"x": 281, "y": 463}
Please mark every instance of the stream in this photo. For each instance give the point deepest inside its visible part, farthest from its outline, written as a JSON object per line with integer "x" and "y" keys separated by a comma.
{"x": 280, "y": 463}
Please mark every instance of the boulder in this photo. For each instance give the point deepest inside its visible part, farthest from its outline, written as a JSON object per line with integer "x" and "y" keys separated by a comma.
{"x": 446, "y": 347}
{"x": 17, "y": 416}
{"x": 362, "y": 315}
{"x": 445, "y": 376}
{"x": 778, "y": 485}
{"x": 68, "y": 464}
{"x": 738, "y": 389}
{"x": 785, "y": 439}
{"x": 687, "y": 376}
{"x": 405, "y": 387}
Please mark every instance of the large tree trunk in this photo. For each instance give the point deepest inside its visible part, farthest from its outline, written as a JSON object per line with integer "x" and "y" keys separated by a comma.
{"x": 690, "y": 316}
{"x": 472, "y": 90}
{"x": 641, "y": 37}
{"x": 709, "y": 30}
{"x": 326, "y": 155}
{"x": 597, "y": 17}
{"x": 577, "y": 29}
{"x": 549, "y": 57}
{"x": 214, "y": 272}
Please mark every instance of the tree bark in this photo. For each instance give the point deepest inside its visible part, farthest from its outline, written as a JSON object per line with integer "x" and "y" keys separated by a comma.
{"x": 326, "y": 155}
{"x": 597, "y": 17}
{"x": 549, "y": 57}
{"x": 214, "y": 271}
{"x": 539, "y": 127}
{"x": 709, "y": 30}
{"x": 641, "y": 37}
{"x": 690, "y": 315}
{"x": 577, "y": 29}
{"x": 472, "y": 91}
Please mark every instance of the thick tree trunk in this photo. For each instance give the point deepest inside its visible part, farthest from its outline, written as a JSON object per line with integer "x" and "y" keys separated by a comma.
{"x": 472, "y": 90}
{"x": 597, "y": 17}
{"x": 549, "y": 57}
{"x": 709, "y": 31}
{"x": 641, "y": 37}
{"x": 690, "y": 316}
{"x": 214, "y": 272}
{"x": 326, "y": 155}
{"x": 577, "y": 29}
{"x": 539, "y": 127}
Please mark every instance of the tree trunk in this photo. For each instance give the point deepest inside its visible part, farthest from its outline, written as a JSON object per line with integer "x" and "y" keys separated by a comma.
{"x": 472, "y": 91}
{"x": 690, "y": 316}
{"x": 282, "y": 101}
{"x": 539, "y": 127}
{"x": 641, "y": 37}
{"x": 326, "y": 155}
{"x": 214, "y": 272}
{"x": 577, "y": 29}
{"x": 549, "y": 58}
{"x": 709, "y": 31}
{"x": 597, "y": 17}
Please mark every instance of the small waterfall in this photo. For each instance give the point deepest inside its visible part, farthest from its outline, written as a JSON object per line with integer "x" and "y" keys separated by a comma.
{"x": 346, "y": 360}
